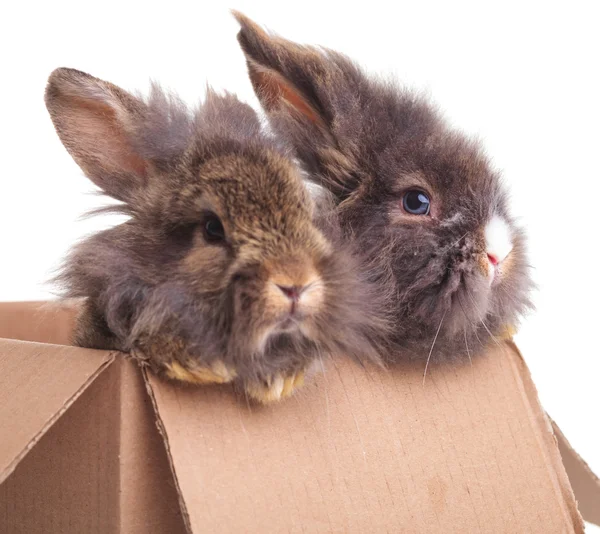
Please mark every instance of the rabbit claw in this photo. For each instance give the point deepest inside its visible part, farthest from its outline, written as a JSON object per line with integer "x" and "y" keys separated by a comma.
{"x": 275, "y": 388}
{"x": 217, "y": 373}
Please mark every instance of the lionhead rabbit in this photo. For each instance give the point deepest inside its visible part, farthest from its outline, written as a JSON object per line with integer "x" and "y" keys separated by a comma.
{"x": 421, "y": 199}
{"x": 224, "y": 271}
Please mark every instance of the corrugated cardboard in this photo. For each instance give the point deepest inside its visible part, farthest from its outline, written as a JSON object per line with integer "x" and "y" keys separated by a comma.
{"x": 469, "y": 450}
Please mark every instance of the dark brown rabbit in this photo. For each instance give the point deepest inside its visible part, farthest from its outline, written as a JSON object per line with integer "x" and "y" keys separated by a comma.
{"x": 421, "y": 199}
{"x": 224, "y": 270}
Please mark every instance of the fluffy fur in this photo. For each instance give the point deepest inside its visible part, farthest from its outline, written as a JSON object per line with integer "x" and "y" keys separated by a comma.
{"x": 158, "y": 286}
{"x": 369, "y": 142}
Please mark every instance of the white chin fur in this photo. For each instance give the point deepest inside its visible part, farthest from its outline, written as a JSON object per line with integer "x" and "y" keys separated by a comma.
{"x": 497, "y": 238}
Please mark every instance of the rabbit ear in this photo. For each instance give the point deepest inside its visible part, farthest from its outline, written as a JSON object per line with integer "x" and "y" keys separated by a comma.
{"x": 313, "y": 97}
{"x": 281, "y": 72}
{"x": 95, "y": 121}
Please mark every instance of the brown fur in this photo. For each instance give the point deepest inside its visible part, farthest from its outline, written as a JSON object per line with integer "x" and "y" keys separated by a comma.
{"x": 156, "y": 285}
{"x": 368, "y": 142}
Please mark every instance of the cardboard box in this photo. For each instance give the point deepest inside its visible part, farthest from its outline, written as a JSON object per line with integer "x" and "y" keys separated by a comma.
{"x": 91, "y": 444}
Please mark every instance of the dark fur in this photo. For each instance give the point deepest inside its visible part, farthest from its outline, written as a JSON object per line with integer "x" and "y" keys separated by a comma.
{"x": 153, "y": 284}
{"x": 368, "y": 141}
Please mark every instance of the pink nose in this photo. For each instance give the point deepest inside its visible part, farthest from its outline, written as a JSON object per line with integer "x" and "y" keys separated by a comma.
{"x": 291, "y": 292}
{"x": 493, "y": 259}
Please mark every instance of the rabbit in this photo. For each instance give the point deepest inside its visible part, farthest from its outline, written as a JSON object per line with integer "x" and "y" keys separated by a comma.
{"x": 226, "y": 269}
{"x": 421, "y": 199}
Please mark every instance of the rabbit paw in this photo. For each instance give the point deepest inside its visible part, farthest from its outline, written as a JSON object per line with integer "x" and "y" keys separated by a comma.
{"x": 275, "y": 388}
{"x": 508, "y": 332}
{"x": 217, "y": 373}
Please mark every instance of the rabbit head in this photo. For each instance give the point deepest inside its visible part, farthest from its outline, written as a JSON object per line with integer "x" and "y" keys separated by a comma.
{"x": 223, "y": 262}
{"x": 422, "y": 199}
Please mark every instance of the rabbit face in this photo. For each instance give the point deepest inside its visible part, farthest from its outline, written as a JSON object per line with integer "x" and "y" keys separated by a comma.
{"x": 421, "y": 199}
{"x": 253, "y": 243}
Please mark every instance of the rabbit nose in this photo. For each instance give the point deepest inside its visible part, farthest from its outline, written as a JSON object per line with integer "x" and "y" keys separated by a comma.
{"x": 493, "y": 259}
{"x": 291, "y": 292}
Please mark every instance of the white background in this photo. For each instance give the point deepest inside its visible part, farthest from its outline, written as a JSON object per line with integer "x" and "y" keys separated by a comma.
{"x": 522, "y": 76}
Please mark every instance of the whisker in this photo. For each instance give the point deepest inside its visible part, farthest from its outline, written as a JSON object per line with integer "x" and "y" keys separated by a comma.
{"x": 481, "y": 319}
{"x": 433, "y": 345}
{"x": 508, "y": 295}
{"x": 467, "y": 346}
{"x": 465, "y": 331}
{"x": 494, "y": 338}
{"x": 464, "y": 312}
{"x": 326, "y": 392}
{"x": 457, "y": 241}
{"x": 471, "y": 322}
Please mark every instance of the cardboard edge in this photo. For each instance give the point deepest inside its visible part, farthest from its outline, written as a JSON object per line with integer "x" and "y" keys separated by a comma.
{"x": 585, "y": 483}
{"x": 547, "y": 440}
{"x": 163, "y": 432}
{"x": 60, "y": 314}
{"x": 55, "y": 417}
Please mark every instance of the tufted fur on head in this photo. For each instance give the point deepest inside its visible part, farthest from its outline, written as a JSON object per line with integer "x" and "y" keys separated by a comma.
{"x": 458, "y": 274}
{"x": 224, "y": 263}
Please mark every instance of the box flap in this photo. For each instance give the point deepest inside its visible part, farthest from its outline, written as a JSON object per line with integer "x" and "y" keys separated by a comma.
{"x": 37, "y": 384}
{"x": 44, "y": 322}
{"x": 148, "y": 498}
{"x": 101, "y": 468}
{"x": 584, "y": 482}
{"x": 69, "y": 482}
{"x": 469, "y": 449}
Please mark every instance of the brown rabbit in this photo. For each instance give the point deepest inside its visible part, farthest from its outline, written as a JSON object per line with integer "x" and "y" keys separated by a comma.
{"x": 224, "y": 270}
{"x": 420, "y": 198}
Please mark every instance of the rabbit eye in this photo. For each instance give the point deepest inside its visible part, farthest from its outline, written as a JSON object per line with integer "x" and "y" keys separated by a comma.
{"x": 213, "y": 229}
{"x": 416, "y": 202}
